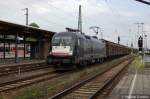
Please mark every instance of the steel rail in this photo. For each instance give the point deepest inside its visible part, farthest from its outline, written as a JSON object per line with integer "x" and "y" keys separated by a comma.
{"x": 7, "y": 70}
{"x": 7, "y": 86}
{"x": 96, "y": 94}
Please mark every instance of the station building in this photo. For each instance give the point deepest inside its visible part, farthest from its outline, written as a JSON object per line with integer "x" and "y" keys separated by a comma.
{"x": 20, "y": 42}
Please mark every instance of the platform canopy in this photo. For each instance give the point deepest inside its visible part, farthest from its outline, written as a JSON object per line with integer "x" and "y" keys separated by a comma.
{"x": 9, "y": 28}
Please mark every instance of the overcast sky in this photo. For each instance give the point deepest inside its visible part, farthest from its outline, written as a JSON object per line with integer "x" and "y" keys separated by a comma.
{"x": 115, "y": 17}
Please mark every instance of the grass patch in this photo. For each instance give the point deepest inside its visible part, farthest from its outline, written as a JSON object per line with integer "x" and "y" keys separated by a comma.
{"x": 1, "y": 97}
{"x": 138, "y": 63}
{"x": 31, "y": 94}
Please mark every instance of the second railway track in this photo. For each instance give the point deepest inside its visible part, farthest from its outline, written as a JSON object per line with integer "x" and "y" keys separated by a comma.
{"x": 90, "y": 88}
{"x": 13, "y": 69}
{"x": 22, "y": 82}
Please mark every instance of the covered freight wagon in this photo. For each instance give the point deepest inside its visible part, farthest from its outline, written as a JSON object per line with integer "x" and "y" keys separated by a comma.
{"x": 115, "y": 50}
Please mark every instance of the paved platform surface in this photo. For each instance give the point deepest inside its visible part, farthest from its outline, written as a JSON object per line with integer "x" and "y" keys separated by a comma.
{"x": 10, "y": 62}
{"x": 147, "y": 58}
{"x": 135, "y": 84}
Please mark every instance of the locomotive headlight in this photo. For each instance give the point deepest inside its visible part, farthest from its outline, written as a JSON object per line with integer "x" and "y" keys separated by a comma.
{"x": 70, "y": 53}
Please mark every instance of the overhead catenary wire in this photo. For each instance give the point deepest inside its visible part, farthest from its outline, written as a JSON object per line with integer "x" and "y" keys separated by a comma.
{"x": 87, "y": 18}
{"x": 117, "y": 14}
{"x": 42, "y": 19}
{"x": 45, "y": 21}
{"x": 113, "y": 10}
{"x": 71, "y": 16}
{"x": 49, "y": 22}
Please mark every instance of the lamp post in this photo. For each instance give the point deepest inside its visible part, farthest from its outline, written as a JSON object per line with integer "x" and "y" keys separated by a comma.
{"x": 24, "y": 38}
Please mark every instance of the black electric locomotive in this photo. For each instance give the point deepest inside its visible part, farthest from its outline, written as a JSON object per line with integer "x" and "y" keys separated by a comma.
{"x": 73, "y": 49}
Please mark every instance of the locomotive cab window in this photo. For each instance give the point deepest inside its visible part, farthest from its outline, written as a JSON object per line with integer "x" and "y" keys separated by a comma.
{"x": 64, "y": 41}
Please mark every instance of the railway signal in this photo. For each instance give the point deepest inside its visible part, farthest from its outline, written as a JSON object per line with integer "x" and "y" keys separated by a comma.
{"x": 140, "y": 43}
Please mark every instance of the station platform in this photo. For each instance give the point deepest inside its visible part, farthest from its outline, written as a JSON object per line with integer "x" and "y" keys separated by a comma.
{"x": 136, "y": 82}
{"x": 11, "y": 62}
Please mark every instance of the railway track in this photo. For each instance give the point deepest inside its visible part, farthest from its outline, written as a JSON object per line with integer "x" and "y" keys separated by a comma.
{"x": 91, "y": 87}
{"x": 7, "y": 70}
{"x": 22, "y": 82}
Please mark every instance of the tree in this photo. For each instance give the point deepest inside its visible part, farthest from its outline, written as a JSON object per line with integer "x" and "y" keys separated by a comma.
{"x": 34, "y": 25}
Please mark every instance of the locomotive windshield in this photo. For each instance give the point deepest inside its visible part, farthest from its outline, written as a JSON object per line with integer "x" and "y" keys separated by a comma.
{"x": 62, "y": 40}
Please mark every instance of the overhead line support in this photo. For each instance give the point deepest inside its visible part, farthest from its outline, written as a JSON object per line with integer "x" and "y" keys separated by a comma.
{"x": 143, "y": 1}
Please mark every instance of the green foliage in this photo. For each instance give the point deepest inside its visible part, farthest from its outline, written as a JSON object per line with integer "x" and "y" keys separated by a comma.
{"x": 138, "y": 62}
{"x": 31, "y": 94}
{"x": 34, "y": 25}
{"x": 1, "y": 97}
